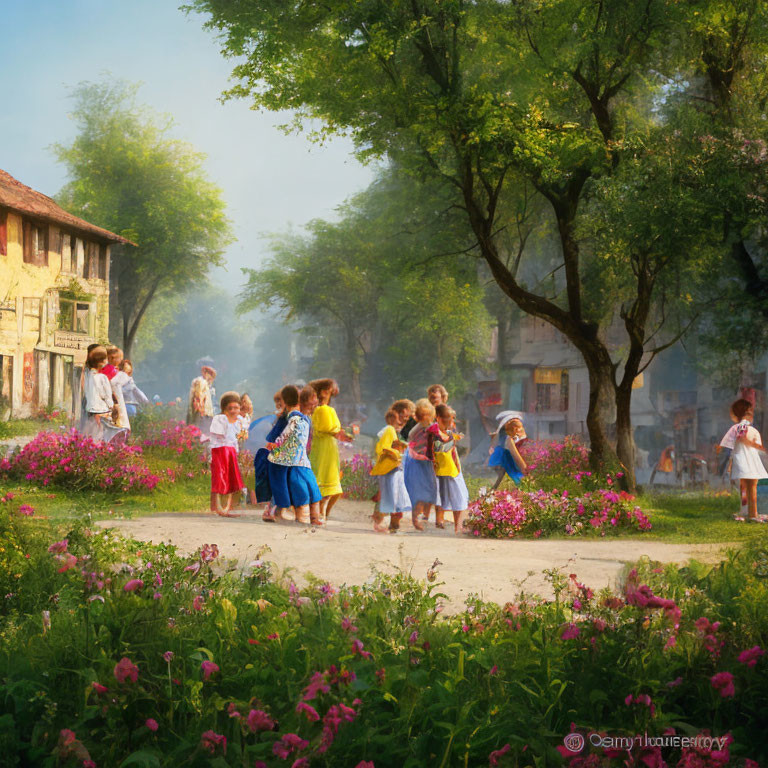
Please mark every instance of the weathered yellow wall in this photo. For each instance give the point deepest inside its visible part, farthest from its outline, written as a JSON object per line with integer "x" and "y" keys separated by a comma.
{"x": 20, "y": 333}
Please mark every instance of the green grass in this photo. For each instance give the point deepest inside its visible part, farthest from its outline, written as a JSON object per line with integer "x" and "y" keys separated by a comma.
{"x": 24, "y": 427}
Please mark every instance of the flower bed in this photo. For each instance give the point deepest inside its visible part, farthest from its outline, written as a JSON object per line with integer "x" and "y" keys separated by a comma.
{"x": 131, "y": 654}
{"x": 356, "y": 478}
{"x": 506, "y": 514}
{"x": 71, "y": 460}
{"x": 170, "y": 439}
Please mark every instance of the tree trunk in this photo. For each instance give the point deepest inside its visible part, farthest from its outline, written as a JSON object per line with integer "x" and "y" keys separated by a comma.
{"x": 625, "y": 442}
{"x": 353, "y": 368}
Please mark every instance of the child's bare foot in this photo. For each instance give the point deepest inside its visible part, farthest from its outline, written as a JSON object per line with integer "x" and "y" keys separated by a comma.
{"x": 221, "y": 513}
{"x": 380, "y": 528}
{"x": 416, "y": 524}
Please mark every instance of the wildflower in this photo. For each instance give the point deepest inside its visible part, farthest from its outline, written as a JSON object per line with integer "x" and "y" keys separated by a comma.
{"x": 751, "y": 655}
{"x": 67, "y": 560}
{"x": 211, "y": 740}
{"x": 308, "y": 710}
{"x": 317, "y": 685}
{"x": 273, "y": 636}
{"x": 27, "y": 510}
{"x": 723, "y": 683}
{"x": 494, "y": 670}
{"x": 197, "y": 603}
{"x": 209, "y": 668}
{"x": 414, "y": 637}
{"x": 133, "y": 585}
{"x": 496, "y": 755}
{"x": 674, "y": 683}
{"x": 151, "y": 724}
{"x": 302, "y": 762}
{"x": 168, "y": 656}
{"x": 194, "y": 568}
{"x": 67, "y": 737}
{"x": 381, "y": 674}
{"x": 365, "y": 764}
{"x": 358, "y": 649}
{"x": 571, "y": 631}
{"x": 347, "y": 625}
{"x": 258, "y": 720}
{"x": 289, "y": 744}
{"x": 125, "y": 669}
{"x": 99, "y": 688}
{"x": 59, "y": 546}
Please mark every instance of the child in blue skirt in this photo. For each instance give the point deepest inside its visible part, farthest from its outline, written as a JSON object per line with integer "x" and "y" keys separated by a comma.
{"x": 505, "y": 457}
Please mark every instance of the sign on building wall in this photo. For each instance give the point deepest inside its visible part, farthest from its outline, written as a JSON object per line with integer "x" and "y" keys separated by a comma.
{"x": 547, "y": 375}
{"x": 75, "y": 342}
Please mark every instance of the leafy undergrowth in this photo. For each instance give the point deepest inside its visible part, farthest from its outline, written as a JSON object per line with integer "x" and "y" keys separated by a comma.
{"x": 117, "y": 652}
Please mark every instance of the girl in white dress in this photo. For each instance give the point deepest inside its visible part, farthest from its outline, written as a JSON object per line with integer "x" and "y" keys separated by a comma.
{"x": 747, "y": 466}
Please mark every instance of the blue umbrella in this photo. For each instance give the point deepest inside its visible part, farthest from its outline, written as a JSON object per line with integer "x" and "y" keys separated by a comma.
{"x": 258, "y": 431}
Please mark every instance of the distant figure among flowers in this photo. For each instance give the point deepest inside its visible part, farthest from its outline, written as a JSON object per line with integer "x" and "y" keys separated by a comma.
{"x": 200, "y": 411}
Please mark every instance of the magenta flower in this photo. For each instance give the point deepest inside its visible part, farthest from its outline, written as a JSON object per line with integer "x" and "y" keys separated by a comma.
{"x": 365, "y": 764}
{"x": 67, "y": 737}
{"x": 27, "y": 510}
{"x": 414, "y": 637}
{"x": 496, "y": 755}
{"x": 151, "y": 724}
{"x": 133, "y": 585}
{"x": 308, "y": 710}
{"x": 258, "y": 720}
{"x": 290, "y": 743}
{"x": 723, "y": 683}
{"x": 168, "y": 656}
{"x": 751, "y": 656}
{"x": 59, "y": 546}
{"x": 209, "y": 668}
{"x": 211, "y": 740}
{"x": 125, "y": 669}
{"x": 358, "y": 649}
{"x": 302, "y": 762}
{"x": 347, "y": 625}
{"x": 99, "y": 688}
{"x": 571, "y": 631}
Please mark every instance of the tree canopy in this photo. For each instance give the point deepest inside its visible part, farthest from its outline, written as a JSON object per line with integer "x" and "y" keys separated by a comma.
{"x": 129, "y": 175}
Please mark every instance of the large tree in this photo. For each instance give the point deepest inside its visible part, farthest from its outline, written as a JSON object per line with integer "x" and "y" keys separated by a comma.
{"x": 490, "y": 96}
{"x": 129, "y": 175}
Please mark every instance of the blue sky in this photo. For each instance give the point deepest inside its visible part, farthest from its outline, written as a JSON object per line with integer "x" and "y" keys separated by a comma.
{"x": 270, "y": 181}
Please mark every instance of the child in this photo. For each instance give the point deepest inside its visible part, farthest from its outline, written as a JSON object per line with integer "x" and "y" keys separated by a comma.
{"x": 506, "y": 456}
{"x": 747, "y": 467}
{"x": 393, "y": 497}
{"x": 290, "y": 473}
{"x": 419, "y": 471}
{"x": 452, "y": 489}
{"x": 134, "y": 397}
{"x": 262, "y": 490}
{"x": 100, "y": 409}
{"x": 404, "y": 409}
{"x": 225, "y": 472}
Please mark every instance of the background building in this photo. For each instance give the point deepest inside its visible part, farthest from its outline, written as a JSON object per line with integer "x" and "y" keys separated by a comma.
{"x": 54, "y": 299}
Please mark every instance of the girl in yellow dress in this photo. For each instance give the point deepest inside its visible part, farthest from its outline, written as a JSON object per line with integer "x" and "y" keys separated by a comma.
{"x": 324, "y": 456}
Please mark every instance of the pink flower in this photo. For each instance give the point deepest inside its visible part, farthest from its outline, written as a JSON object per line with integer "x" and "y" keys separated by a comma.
{"x": 125, "y": 669}
{"x": 208, "y": 668}
{"x": 308, "y": 710}
{"x": 99, "y": 688}
{"x": 151, "y": 724}
{"x": 59, "y": 546}
{"x": 414, "y": 637}
{"x": 291, "y": 742}
{"x": 67, "y": 737}
{"x": 27, "y": 510}
{"x": 365, "y": 764}
{"x": 89, "y": 764}
{"x": 571, "y": 631}
{"x": 494, "y": 670}
{"x": 210, "y": 740}
{"x": 723, "y": 682}
{"x": 133, "y": 585}
{"x": 358, "y": 649}
{"x": 258, "y": 720}
{"x": 302, "y": 762}
{"x": 197, "y": 603}
{"x": 168, "y": 656}
{"x": 751, "y": 655}
{"x": 495, "y": 756}
{"x": 347, "y": 625}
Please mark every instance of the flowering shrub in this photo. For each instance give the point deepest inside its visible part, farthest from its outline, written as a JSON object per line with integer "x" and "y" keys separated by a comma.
{"x": 506, "y": 514}
{"x": 71, "y": 460}
{"x": 356, "y": 477}
{"x": 170, "y": 439}
{"x": 372, "y": 675}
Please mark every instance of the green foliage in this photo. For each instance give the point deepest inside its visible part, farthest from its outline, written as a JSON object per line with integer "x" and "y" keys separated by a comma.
{"x": 131, "y": 177}
{"x": 437, "y": 690}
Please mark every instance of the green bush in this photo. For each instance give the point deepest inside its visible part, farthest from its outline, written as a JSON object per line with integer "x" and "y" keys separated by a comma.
{"x": 232, "y": 666}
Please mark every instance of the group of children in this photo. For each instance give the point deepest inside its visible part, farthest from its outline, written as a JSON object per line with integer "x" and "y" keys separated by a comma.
{"x": 418, "y": 466}
{"x": 109, "y": 394}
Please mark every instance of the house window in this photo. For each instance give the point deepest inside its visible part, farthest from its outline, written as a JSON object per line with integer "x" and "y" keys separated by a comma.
{"x": 74, "y": 316}
{"x": 544, "y": 396}
{"x": 102, "y": 262}
{"x": 35, "y": 245}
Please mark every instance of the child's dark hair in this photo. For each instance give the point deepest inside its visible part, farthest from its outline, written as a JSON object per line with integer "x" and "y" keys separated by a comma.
{"x": 444, "y": 411}
{"x": 306, "y": 395}
{"x": 740, "y": 408}
{"x": 290, "y": 395}
{"x": 97, "y": 355}
{"x": 391, "y": 416}
{"x": 403, "y": 405}
{"x": 322, "y": 385}
{"x": 227, "y": 398}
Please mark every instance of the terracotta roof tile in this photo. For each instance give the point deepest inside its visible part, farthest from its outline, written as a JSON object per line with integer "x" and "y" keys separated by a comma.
{"x": 20, "y": 197}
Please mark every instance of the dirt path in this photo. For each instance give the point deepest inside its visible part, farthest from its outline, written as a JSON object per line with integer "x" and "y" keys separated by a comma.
{"x": 347, "y": 551}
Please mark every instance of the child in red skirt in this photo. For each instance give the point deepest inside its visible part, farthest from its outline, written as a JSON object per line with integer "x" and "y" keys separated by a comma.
{"x": 225, "y": 472}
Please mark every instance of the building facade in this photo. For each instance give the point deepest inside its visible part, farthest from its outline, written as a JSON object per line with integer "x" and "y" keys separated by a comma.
{"x": 54, "y": 299}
